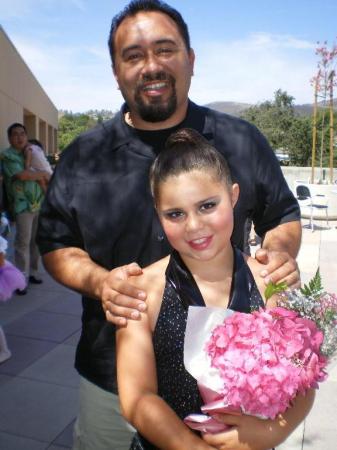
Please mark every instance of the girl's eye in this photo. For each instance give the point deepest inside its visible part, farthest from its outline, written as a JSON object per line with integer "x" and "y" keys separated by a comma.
{"x": 174, "y": 215}
{"x": 207, "y": 206}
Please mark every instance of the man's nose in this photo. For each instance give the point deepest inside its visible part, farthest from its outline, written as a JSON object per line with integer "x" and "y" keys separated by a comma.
{"x": 152, "y": 64}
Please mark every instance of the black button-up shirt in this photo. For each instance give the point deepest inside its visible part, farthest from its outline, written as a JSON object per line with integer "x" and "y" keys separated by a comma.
{"x": 99, "y": 200}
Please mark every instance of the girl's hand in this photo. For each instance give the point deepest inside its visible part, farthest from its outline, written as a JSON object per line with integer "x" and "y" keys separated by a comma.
{"x": 246, "y": 433}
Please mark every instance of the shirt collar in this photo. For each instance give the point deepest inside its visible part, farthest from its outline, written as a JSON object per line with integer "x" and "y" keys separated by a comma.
{"x": 124, "y": 134}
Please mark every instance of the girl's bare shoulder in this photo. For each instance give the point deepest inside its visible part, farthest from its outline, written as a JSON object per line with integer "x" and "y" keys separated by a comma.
{"x": 152, "y": 279}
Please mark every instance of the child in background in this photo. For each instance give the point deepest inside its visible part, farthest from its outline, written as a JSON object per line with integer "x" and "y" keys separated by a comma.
{"x": 35, "y": 160}
{"x": 10, "y": 280}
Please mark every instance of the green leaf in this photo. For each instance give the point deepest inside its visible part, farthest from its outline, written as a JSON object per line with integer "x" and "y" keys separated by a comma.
{"x": 274, "y": 288}
{"x": 314, "y": 288}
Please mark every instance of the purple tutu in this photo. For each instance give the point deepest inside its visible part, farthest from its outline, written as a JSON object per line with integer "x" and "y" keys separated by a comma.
{"x": 10, "y": 279}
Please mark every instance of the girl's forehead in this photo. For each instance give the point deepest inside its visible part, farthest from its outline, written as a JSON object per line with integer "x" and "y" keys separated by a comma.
{"x": 195, "y": 176}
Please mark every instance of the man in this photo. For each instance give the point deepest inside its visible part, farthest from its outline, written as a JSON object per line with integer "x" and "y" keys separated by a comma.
{"x": 98, "y": 212}
{"x": 24, "y": 198}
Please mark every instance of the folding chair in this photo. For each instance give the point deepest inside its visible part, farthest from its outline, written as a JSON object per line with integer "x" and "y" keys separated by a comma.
{"x": 317, "y": 201}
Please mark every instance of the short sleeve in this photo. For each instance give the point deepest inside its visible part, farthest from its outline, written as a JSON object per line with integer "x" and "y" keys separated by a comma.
{"x": 275, "y": 204}
{"x": 57, "y": 226}
{"x": 11, "y": 166}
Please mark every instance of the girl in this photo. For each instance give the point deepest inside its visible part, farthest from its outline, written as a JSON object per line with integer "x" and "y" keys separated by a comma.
{"x": 35, "y": 159}
{"x": 10, "y": 280}
{"x": 194, "y": 197}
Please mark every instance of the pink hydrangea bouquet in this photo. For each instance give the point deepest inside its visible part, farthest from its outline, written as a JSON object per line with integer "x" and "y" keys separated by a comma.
{"x": 257, "y": 363}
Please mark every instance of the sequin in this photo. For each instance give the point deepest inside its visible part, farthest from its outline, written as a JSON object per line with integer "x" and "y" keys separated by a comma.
{"x": 175, "y": 385}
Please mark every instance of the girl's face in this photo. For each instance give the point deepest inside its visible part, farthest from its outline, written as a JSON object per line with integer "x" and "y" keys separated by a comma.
{"x": 196, "y": 212}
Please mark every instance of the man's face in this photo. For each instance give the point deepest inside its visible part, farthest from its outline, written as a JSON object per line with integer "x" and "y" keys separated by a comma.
{"x": 153, "y": 69}
{"x": 18, "y": 138}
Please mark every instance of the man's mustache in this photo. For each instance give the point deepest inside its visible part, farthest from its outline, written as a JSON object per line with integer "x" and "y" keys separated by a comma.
{"x": 156, "y": 76}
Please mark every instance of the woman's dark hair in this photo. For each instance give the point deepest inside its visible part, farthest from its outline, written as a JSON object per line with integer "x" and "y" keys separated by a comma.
{"x": 13, "y": 126}
{"x": 186, "y": 150}
{"x": 137, "y": 6}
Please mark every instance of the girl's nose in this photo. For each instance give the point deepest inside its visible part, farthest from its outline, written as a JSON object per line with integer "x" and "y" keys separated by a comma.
{"x": 193, "y": 222}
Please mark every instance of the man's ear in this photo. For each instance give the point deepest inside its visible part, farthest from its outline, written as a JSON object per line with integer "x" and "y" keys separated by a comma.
{"x": 114, "y": 73}
{"x": 191, "y": 57}
{"x": 235, "y": 193}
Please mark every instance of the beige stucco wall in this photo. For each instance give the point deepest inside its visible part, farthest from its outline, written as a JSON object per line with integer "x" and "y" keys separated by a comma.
{"x": 23, "y": 100}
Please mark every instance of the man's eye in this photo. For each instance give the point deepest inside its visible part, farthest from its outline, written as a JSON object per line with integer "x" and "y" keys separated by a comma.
{"x": 164, "y": 51}
{"x": 207, "y": 206}
{"x": 133, "y": 56}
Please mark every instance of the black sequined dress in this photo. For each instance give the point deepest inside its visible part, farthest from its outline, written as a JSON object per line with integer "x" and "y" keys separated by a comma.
{"x": 175, "y": 385}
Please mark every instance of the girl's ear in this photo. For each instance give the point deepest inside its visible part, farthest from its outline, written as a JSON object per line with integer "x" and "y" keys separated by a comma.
{"x": 235, "y": 193}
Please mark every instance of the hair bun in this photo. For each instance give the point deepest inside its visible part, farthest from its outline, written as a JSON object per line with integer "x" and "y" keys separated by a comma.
{"x": 184, "y": 136}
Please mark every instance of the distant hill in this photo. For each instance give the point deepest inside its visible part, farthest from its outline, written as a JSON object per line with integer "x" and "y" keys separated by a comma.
{"x": 235, "y": 108}
{"x": 232, "y": 108}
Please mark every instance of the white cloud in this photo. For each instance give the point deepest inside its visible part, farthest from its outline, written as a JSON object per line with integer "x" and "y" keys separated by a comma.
{"x": 75, "y": 78}
{"x": 252, "y": 69}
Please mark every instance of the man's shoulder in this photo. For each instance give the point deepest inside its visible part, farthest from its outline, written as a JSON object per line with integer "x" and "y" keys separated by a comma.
{"x": 227, "y": 119}
{"x": 5, "y": 152}
{"x": 9, "y": 156}
{"x": 103, "y": 135}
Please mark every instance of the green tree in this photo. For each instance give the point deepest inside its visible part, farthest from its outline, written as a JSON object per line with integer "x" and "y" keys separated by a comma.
{"x": 273, "y": 118}
{"x": 298, "y": 141}
{"x": 71, "y": 125}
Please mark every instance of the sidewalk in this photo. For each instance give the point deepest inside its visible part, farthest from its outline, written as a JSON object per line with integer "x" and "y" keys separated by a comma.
{"x": 318, "y": 432}
{"x": 38, "y": 385}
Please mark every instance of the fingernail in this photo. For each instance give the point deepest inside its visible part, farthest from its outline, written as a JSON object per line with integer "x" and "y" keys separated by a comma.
{"x": 135, "y": 315}
{"x": 264, "y": 273}
{"x": 141, "y": 306}
{"x": 122, "y": 321}
{"x": 141, "y": 295}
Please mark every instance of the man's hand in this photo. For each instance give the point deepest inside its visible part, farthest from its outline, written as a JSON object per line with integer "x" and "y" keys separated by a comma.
{"x": 121, "y": 300}
{"x": 280, "y": 266}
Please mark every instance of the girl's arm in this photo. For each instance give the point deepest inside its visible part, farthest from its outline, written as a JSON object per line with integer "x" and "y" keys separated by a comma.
{"x": 251, "y": 433}
{"x": 137, "y": 386}
{"x": 28, "y": 158}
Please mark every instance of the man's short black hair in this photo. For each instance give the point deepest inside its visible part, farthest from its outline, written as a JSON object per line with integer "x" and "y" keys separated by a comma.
{"x": 136, "y": 6}
{"x": 15, "y": 125}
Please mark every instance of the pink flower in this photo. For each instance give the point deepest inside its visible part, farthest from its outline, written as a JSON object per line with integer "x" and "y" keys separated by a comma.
{"x": 265, "y": 358}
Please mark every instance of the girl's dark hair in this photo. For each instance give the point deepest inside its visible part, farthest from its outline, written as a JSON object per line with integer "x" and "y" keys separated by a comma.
{"x": 186, "y": 150}
{"x": 35, "y": 142}
{"x": 137, "y": 6}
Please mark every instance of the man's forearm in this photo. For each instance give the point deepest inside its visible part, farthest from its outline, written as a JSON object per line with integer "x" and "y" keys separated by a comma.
{"x": 284, "y": 238}
{"x": 73, "y": 268}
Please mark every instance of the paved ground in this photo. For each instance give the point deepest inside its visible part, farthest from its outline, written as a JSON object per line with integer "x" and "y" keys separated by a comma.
{"x": 38, "y": 385}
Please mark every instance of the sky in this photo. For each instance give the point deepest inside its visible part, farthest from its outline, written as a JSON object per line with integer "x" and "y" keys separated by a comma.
{"x": 245, "y": 50}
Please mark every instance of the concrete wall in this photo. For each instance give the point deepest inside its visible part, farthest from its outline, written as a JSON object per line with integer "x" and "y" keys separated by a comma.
{"x": 302, "y": 175}
{"x": 22, "y": 99}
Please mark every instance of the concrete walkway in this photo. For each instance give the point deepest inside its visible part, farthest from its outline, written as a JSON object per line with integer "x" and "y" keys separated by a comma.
{"x": 38, "y": 385}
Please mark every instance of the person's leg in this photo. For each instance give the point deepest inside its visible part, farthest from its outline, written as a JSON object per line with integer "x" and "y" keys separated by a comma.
{"x": 23, "y": 233}
{"x": 34, "y": 251}
{"x": 99, "y": 425}
{"x": 4, "y": 350}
